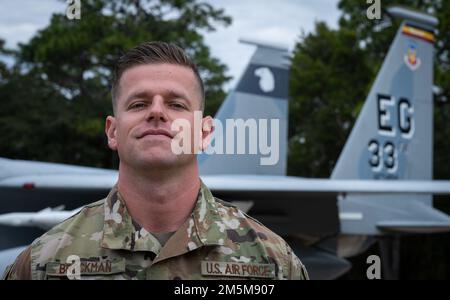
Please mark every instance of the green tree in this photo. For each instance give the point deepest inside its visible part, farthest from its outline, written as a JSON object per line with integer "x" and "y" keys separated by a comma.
{"x": 33, "y": 127}
{"x": 4, "y": 54}
{"x": 328, "y": 84}
{"x": 3, "y": 68}
{"x": 63, "y": 74}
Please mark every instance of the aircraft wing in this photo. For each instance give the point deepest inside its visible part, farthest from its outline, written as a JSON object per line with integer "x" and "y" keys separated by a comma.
{"x": 287, "y": 184}
{"x": 249, "y": 184}
{"x": 299, "y": 201}
{"x": 415, "y": 226}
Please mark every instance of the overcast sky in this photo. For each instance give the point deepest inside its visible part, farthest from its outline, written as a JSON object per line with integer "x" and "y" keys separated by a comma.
{"x": 276, "y": 21}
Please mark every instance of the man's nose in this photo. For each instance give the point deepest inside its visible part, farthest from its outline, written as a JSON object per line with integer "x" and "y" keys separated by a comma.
{"x": 157, "y": 111}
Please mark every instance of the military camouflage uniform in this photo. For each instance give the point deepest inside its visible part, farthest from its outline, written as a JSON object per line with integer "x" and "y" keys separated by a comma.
{"x": 217, "y": 241}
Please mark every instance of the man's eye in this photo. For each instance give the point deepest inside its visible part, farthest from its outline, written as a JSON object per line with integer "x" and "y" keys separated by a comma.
{"x": 177, "y": 105}
{"x": 137, "y": 105}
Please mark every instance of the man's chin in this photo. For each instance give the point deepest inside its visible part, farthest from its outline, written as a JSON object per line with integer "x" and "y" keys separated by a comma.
{"x": 159, "y": 160}
{"x": 156, "y": 160}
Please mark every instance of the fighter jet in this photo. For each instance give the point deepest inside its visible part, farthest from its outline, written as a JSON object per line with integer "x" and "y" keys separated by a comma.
{"x": 45, "y": 219}
{"x": 390, "y": 143}
{"x": 382, "y": 183}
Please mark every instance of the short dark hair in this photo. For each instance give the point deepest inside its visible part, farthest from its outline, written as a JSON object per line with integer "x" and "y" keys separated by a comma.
{"x": 154, "y": 52}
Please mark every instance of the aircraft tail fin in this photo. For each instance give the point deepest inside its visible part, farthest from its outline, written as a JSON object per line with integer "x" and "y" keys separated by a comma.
{"x": 393, "y": 135}
{"x": 260, "y": 97}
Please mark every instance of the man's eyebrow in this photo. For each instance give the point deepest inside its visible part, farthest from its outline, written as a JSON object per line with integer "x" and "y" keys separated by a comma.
{"x": 138, "y": 94}
{"x": 177, "y": 94}
{"x": 170, "y": 93}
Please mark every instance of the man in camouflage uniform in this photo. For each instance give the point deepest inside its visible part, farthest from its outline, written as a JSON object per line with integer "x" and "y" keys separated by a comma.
{"x": 159, "y": 221}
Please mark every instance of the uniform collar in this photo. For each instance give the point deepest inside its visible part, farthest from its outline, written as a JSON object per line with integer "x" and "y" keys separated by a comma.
{"x": 119, "y": 230}
{"x": 202, "y": 228}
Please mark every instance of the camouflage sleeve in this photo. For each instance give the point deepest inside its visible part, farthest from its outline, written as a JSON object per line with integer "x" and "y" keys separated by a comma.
{"x": 297, "y": 270}
{"x": 21, "y": 268}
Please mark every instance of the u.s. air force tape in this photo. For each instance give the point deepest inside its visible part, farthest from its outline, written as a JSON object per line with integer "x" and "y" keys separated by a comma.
{"x": 220, "y": 268}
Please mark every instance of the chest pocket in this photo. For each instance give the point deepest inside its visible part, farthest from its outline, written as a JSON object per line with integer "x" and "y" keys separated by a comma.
{"x": 86, "y": 268}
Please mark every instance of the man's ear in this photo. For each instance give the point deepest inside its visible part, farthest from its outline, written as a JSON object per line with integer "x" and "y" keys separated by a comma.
{"x": 110, "y": 130}
{"x": 207, "y": 132}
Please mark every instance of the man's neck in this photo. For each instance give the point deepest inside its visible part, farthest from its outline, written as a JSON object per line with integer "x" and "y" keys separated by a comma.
{"x": 159, "y": 202}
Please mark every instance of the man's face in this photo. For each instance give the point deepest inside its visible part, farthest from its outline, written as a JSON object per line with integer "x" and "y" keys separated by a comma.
{"x": 150, "y": 97}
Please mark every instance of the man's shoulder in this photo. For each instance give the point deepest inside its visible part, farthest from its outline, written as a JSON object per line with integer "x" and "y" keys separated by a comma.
{"x": 87, "y": 213}
{"x": 84, "y": 227}
{"x": 45, "y": 248}
{"x": 248, "y": 228}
